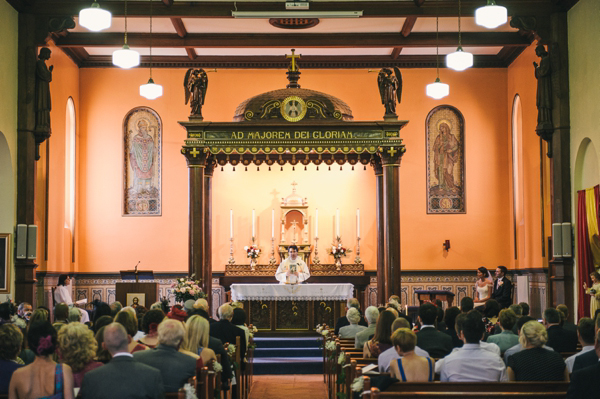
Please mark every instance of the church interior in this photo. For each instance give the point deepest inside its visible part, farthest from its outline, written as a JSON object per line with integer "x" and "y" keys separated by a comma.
{"x": 512, "y": 191}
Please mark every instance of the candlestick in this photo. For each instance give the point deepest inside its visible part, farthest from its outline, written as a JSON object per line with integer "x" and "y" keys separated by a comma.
{"x": 317, "y": 223}
{"x": 316, "y": 260}
{"x": 253, "y": 227}
{"x": 337, "y": 222}
{"x": 272, "y": 223}
{"x": 272, "y": 260}
{"x": 231, "y": 261}
{"x": 231, "y": 223}
{"x": 357, "y": 259}
{"x": 357, "y": 222}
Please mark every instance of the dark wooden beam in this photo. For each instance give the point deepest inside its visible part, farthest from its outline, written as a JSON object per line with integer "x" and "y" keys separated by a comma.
{"x": 77, "y": 54}
{"x": 168, "y": 3}
{"x": 179, "y": 27}
{"x": 191, "y": 53}
{"x": 396, "y": 52}
{"x": 409, "y": 23}
{"x": 419, "y": 3}
{"x": 315, "y": 40}
{"x": 509, "y": 54}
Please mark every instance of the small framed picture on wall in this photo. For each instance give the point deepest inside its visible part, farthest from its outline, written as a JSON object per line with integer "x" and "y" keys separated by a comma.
{"x": 4, "y": 263}
{"x": 136, "y": 299}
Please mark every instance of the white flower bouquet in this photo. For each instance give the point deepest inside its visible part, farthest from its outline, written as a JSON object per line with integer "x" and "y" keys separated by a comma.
{"x": 330, "y": 345}
{"x": 342, "y": 357}
{"x": 217, "y": 367}
{"x": 187, "y": 288}
{"x": 252, "y": 251}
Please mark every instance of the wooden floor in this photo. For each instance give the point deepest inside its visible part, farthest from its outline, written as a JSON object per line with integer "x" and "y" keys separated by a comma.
{"x": 306, "y": 386}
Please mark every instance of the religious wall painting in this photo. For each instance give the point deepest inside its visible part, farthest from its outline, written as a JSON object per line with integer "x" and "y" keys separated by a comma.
{"x": 142, "y": 156}
{"x": 445, "y": 132}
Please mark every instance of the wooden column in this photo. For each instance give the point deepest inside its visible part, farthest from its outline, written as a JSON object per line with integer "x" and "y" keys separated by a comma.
{"x": 207, "y": 276}
{"x": 381, "y": 275}
{"x": 196, "y": 160}
{"x": 390, "y": 157}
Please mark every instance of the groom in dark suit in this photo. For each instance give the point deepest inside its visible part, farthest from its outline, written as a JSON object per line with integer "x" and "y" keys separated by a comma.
{"x": 502, "y": 288}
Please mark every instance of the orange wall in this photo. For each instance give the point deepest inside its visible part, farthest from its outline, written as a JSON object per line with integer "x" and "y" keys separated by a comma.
{"x": 108, "y": 241}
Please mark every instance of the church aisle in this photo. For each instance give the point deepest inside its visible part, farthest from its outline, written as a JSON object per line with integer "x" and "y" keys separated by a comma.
{"x": 306, "y": 386}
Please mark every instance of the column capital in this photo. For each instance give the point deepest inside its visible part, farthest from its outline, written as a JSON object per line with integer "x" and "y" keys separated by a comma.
{"x": 391, "y": 155}
{"x": 377, "y": 167}
{"x": 210, "y": 166}
{"x": 195, "y": 156}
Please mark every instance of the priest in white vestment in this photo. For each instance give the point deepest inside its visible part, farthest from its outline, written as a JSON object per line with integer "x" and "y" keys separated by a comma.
{"x": 292, "y": 270}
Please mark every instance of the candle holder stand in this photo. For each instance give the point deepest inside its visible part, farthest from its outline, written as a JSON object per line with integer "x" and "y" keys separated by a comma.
{"x": 357, "y": 259}
{"x": 231, "y": 260}
{"x": 316, "y": 260}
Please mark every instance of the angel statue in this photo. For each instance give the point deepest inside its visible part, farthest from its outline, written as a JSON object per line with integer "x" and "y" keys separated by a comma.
{"x": 195, "y": 84}
{"x": 390, "y": 89}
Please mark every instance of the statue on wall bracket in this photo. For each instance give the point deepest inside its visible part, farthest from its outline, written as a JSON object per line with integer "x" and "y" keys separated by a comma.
{"x": 195, "y": 84}
{"x": 43, "y": 103}
{"x": 543, "y": 74}
{"x": 389, "y": 81}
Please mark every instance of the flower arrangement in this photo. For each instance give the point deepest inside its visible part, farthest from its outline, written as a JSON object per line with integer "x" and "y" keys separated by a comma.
{"x": 338, "y": 251}
{"x": 230, "y": 349}
{"x": 341, "y": 357}
{"x": 217, "y": 367}
{"x": 330, "y": 345}
{"x": 252, "y": 252}
{"x": 358, "y": 384}
{"x": 187, "y": 288}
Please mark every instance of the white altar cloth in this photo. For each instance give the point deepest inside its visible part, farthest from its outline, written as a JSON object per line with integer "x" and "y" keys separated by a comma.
{"x": 298, "y": 292}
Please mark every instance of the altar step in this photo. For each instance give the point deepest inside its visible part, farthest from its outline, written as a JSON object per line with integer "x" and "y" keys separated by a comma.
{"x": 289, "y": 355}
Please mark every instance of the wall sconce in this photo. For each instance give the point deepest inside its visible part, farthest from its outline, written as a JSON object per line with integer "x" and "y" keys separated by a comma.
{"x": 446, "y": 245}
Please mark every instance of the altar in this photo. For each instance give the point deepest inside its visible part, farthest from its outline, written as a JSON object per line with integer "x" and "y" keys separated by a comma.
{"x": 292, "y": 308}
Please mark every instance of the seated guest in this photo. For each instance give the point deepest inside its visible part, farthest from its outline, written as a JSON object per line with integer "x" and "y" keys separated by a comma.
{"x": 390, "y": 355}
{"x": 343, "y": 321}
{"x": 74, "y": 315}
{"x": 506, "y": 339}
{"x": 239, "y": 320}
{"x": 227, "y": 332}
{"x": 350, "y": 331}
{"x": 196, "y": 338}
{"x": 127, "y": 320}
{"x": 138, "y": 326}
{"x": 382, "y": 340}
{"x": 102, "y": 355}
{"x": 115, "y": 308}
{"x": 472, "y": 363}
{"x": 492, "y": 310}
{"x": 566, "y": 324}
{"x": 586, "y": 334}
{"x": 559, "y": 339}
{"x": 440, "y": 323}
{"x": 409, "y": 366}
{"x": 589, "y": 358}
{"x": 466, "y": 304}
{"x": 436, "y": 343}
{"x": 518, "y": 309}
{"x": 525, "y": 307}
{"x": 101, "y": 309}
{"x": 43, "y": 377}
{"x": 585, "y": 383}
{"x": 175, "y": 368}
{"x": 150, "y": 323}
{"x": 77, "y": 347}
{"x": 371, "y": 315}
{"x": 534, "y": 363}
{"x": 122, "y": 377}
{"x": 518, "y": 348}
{"x": 450, "y": 320}
{"x": 11, "y": 340}
{"x": 201, "y": 308}
{"x": 61, "y": 315}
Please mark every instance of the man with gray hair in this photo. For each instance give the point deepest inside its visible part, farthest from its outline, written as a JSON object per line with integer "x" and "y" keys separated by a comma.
{"x": 227, "y": 332}
{"x": 371, "y": 314}
{"x": 175, "y": 367}
{"x": 350, "y": 331}
{"x": 122, "y": 377}
{"x": 343, "y": 321}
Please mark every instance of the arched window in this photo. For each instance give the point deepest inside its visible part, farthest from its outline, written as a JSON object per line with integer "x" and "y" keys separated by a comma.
{"x": 517, "y": 178}
{"x": 70, "y": 176}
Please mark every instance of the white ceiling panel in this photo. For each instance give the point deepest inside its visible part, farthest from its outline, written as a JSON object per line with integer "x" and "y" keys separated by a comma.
{"x": 141, "y": 50}
{"x": 283, "y": 52}
{"x": 138, "y": 25}
{"x": 467, "y": 24}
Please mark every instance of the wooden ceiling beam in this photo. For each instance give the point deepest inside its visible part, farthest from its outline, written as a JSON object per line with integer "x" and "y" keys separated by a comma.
{"x": 409, "y": 23}
{"x": 168, "y": 3}
{"x": 179, "y": 27}
{"x": 191, "y": 53}
{"x": 77, "y": 54}
{"x": 314, "y": 40}
{"x": 396, "y": 52}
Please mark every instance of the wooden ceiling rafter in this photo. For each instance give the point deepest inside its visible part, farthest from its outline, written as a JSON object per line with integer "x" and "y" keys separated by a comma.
{"x": 182, "y": 32}
{"x": 396, "y": 52}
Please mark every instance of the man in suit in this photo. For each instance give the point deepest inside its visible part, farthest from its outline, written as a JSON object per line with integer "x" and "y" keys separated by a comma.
{"x": 566, "y": 324}
{"x": 585, "y": 383}
{"x": 559, "y": 339}
{"x": 227, "y": 332}
{"x": 343, "y": 321}
{"x": 590, "y": 358}
{"x": 351, "y": 330}
{"x": 122, "y": 377}
{"x": 175, "y": 367}
{"x": 436, "y": 343}
{"x": 371, "y": 314}
{"x": 502, "y": 288}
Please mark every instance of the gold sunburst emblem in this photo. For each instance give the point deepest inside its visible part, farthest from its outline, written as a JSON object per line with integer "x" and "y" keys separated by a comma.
{"x": 293, "y": 109}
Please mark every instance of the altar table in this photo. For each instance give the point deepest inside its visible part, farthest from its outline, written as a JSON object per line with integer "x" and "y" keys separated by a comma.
{"x": 281, "y": 308}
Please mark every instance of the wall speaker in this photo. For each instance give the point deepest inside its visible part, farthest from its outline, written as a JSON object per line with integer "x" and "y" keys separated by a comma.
{"x": 566, "y": 240}
{"x": 31, "y": 241}
{"x": 21, "y": 241}
{"x": 557, "y": 240}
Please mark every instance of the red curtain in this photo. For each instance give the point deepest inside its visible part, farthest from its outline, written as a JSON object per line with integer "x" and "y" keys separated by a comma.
{"x": 585, "y": 265}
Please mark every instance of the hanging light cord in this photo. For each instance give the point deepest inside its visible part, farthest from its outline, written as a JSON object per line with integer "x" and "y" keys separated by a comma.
{"x": 150, "y": 39}
{"x": 126, "y": 22}
{"x": 459, "y": 32}
{"x": 437, "y": 45}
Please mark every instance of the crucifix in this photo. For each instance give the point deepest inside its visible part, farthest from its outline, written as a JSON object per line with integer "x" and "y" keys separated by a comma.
{"x": 293, "y": 67}
{"x": 294, "y": 239}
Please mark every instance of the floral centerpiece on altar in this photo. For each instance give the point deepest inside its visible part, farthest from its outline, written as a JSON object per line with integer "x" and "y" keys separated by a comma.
{"x": 252, "y": 252}
{"x": 187, "y": 288}
{"x": 338, "y": 251}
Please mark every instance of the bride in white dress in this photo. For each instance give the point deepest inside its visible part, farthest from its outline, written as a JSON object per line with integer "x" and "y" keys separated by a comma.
{"x": 483, "y": 286}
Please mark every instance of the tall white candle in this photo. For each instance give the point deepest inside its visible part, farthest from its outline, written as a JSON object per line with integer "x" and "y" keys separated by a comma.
{"x": 272, "y": 223}
{"x": 253, "y": 227}
{"x": 357, "y": 222}
{"x": 231, "y": 223}
{"x": 317, "y": 223}
{"x": 337, "y": 222}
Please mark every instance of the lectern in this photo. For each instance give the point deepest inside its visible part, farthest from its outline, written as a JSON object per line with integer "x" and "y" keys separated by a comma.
{"x": 138, "y": 284}
{"x": 432, "y": 295}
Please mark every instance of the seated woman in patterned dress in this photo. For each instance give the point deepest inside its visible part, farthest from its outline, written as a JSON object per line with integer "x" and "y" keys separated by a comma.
{"x": 410, "y": 367}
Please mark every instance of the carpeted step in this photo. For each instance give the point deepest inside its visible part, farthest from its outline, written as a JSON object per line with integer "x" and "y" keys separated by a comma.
{"x": 288, "y": 365}
{"x": 288, "y": 342}
{"x": 288, "y": 355}
{"x": 287, "y": 352}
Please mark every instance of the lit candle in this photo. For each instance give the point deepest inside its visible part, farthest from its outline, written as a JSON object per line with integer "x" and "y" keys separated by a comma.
{"x": 337, "y": 223}
{"x": 317, "y": 223}
{"x": 272, "y": 223}
{"x": 357, "y": 222}
{"x": 231, "y": 223}
{"x": 253, "y": 227}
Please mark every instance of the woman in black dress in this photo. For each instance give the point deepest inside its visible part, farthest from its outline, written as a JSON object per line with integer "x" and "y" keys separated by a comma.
{"x": 534, "y": 363}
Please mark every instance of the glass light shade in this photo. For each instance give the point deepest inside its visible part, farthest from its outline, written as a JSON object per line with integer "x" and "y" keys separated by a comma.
{"x": 151, "y": 90}
{"x": 437, "y": 89}
{"x": 95, "y": 18}
{"x": 459, "y": 60}
{"x": 491, "y": 15}
{"x": 126, "y": 58}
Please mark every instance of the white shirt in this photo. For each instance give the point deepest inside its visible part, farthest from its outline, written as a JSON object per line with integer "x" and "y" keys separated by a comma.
{"x": 472, "y": 363}
{"x": 287, "y": 264}
{"x": 571, "y": 359}
{"x": 386, "y": 357}
{"x": 62, "y": 293}
{"x": 488, "y": 346}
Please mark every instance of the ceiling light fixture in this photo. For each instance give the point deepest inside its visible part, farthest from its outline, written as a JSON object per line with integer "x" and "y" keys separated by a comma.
{"x": 296, "y": 14}
{"x": 125, "y": 57}
{"x": 95, "y": 18}
{"x": 151, "y": 90}
{"x": 437, "y": 89}
{"x": 491, "y": 15}
{"x": 460, "y": 59}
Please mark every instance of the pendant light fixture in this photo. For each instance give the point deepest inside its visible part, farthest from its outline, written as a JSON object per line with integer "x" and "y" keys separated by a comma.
{"x": 491, "y": 15}
{"x": 460, "y": 59}
{"x": 437, "y": 89}
{"x": 125, "y": 57}
{"x": 95, "y": 18}
{"x": 151, "y": 90}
